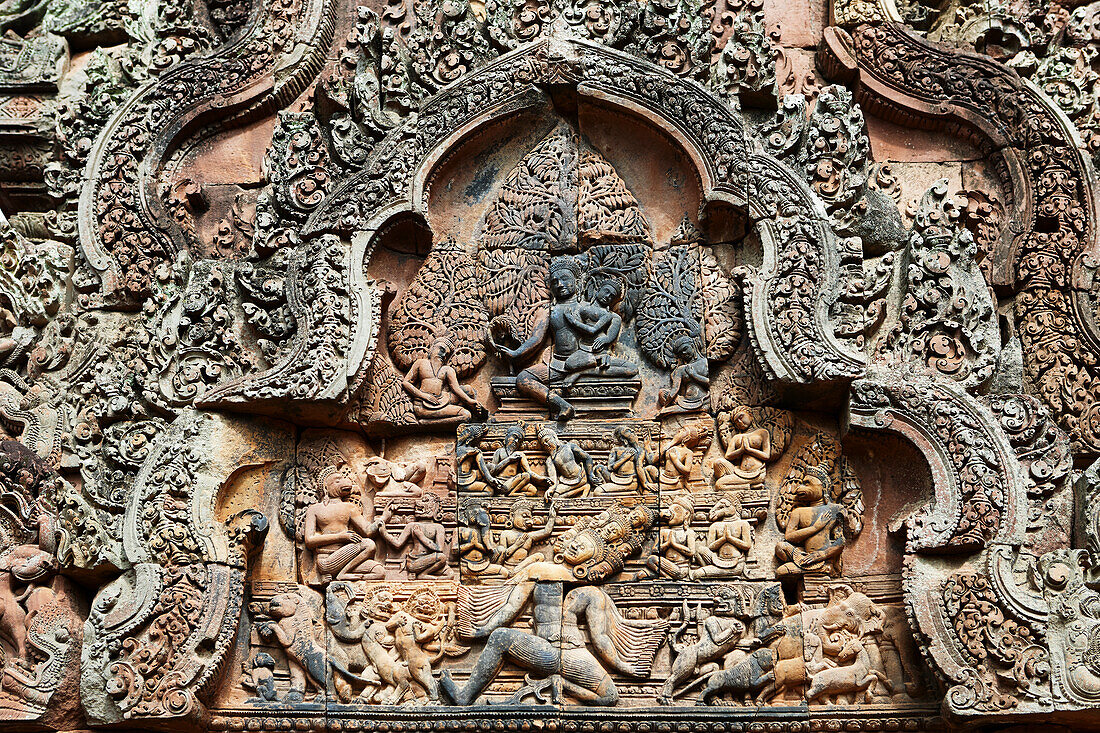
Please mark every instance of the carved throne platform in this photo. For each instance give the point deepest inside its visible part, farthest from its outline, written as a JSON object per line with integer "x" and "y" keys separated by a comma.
{"x": 591, "y": 396}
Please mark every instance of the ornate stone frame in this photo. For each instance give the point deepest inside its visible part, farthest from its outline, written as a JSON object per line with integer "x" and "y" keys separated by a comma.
{"x": 802, "y": 258}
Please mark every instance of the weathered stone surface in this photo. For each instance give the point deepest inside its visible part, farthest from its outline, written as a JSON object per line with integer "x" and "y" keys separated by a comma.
{"x": 548, "y": 365}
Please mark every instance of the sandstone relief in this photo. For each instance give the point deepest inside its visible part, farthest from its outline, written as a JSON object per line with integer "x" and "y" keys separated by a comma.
{"x": 617, "y": 365}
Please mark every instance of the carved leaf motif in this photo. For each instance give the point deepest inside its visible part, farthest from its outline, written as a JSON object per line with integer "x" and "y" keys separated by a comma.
{"x": 533, "y": 215}
{"x": 442, "y": 302}
{"x": 671, "y": 307}
{"x": 1009, "y": 662}
{"x": 606, "y": 209}
{"x": 722, "y": 315}
{"x": 385, "y": 402}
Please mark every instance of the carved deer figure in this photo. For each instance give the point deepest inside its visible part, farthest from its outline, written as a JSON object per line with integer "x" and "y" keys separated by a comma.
{"x": 843, "y": 684}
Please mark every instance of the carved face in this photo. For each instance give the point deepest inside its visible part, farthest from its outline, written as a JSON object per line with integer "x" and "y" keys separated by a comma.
{"x": 476, "y": 516}
{"x": 580, "y": 549}
{"x": 742, "y": 420}
{"x": 677, "y": 513}
{"x": 283, "y": 605}
{"x": 724, "y": 508}
{"x": 427, "y": 506}
{"x": 549, "y": 440}
{"x": 380, "y": 605}
{"x": 724, "y": 604}
{"x": 512, "y": 439}
{"x": 810, "y": 490}
{"x": 521, "y": 518}
{"x": 379, "y": 471}
{"x": 684, "y": 349}
{"x": 563, "y": 284}
{"x": 441, "y": 349}
{"x": 639, "y": 518}
{"x": 608, "y": 293}
{"x": 338, "y": 485}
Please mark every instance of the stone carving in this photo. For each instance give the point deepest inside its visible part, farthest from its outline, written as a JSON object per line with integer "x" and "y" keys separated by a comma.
{"x": 423, "y": 539}
{"x": 568, "y": 467}
{"x": 820, "y": 510}
{"x": 339, "y": 535}
{"x": 291, "y": 628}
{"x": 947, "y": 322}
{"x": 678, "y": 459}
{"x": 748, "y": 448}
{"x": 561, "y": 348}
{"x": 728, "y": 541}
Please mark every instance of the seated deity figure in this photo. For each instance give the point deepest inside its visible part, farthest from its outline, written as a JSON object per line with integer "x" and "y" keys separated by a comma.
{"x": 678, "y": 459}
{"x": 729, "y": 539}
{"x": 339, "y": 535}
{"x": 478, "y": 552}
{"x": 689, "y": 382}
{"x": 472, "y": 472}
{"x": 568, "y": 466}
{"x": 581, "y": 336}
{"x": 511, "y": 471}
{"x": 437, "y": 396}
{"x": 598, "y": 327}
{"x": 629, "y": 465}
{"x": 746, "y": 455}
{"x": 814, "y": 536}
{"x": 428, "y": 551}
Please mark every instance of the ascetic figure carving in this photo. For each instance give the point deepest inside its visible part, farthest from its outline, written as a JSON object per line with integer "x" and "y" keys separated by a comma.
{"x": 689, "y": 383}
{"x": 519, "y": 538}
{"x": 472, "y": 473}
{"x": 678, "y": 459}
{"x": 339, "y": 535}
{"x": 729, "y": 539}
{"x": 814, "y": 537}
{"x": 438, "y": 397}
{"x": 509, "y": 469}
{"x": 569, "y": 467}
{"x": 677, "y": 539}
{"x": 629, "y": 465}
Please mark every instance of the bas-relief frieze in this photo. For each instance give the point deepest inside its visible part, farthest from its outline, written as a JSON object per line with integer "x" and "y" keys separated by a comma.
{"x": 558, "y": 364}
